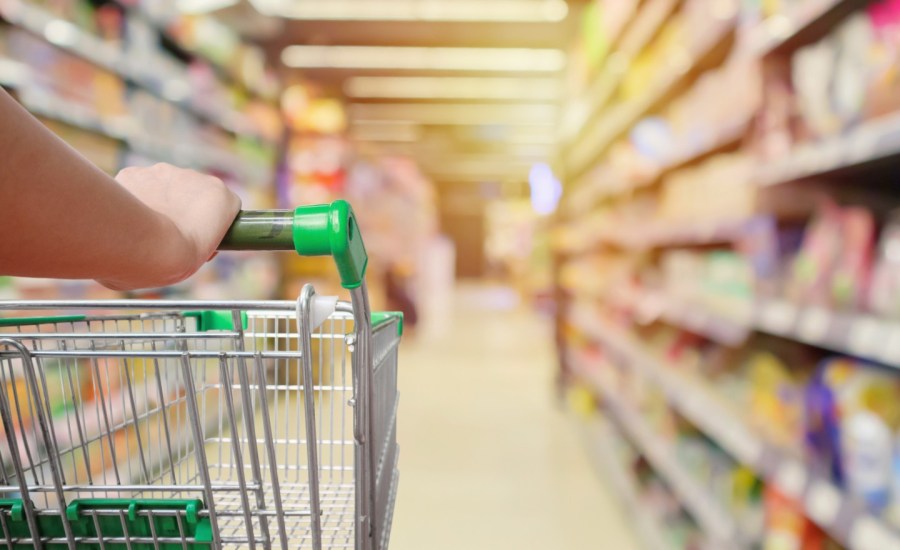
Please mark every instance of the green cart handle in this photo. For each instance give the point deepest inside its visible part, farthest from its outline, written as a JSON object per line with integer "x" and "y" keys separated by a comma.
{"x": 318, "y": 230}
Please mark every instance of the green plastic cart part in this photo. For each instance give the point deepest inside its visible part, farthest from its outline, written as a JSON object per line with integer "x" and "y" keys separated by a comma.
{"x": 192, "y": 526}
{"x": 331, "y": 229}
{"x": 318, "y": 230}
{"x": 216, "y": 320}
{"x": 382, "y": 317}
{"x": 29, "y": 321}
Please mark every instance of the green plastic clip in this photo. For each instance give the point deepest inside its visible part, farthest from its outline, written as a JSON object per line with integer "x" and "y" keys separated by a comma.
{"x": 216, "y": 320}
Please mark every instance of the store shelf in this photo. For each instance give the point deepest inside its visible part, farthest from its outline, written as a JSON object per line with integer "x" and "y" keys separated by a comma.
{"x": 872, "y": 141}
{"x": 600, "y": 133}
{"x": 640, "y": 237}
{"x": 162, "y": 27}
{"x": 635, "y": 37}
{"x": 713, "y": 518}
{"x": 842, "y": 517}
{"x": 858, "y": 334}
{"x": 126, "y": 130}
{"x": 107, "y": 56}
{"x": 584, "y": 196}
{"x": 806, "y": 22}
{"x": 598, "y": 438}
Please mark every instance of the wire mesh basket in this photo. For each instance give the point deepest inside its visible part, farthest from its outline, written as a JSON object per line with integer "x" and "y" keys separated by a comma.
{"x": 163, "y": 424}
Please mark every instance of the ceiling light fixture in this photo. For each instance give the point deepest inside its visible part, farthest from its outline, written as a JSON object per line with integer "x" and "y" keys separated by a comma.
{"x": 457, "y": 114}
{"x": 194, "y": 7}
{"x": 385, "y": 131}
{"x": 492, "y": 11}
{"x": 423, "y": 87}
{"x": 424, "y": 59}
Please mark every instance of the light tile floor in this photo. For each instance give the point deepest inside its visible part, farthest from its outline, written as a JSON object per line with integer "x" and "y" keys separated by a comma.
{"x": 488, "y": 460}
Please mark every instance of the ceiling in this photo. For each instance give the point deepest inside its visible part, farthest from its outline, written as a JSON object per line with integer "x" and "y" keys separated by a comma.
{"x": 482, "y": 117}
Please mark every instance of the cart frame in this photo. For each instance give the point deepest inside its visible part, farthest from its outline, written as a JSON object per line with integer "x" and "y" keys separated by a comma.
{"x": 371, "y": 344}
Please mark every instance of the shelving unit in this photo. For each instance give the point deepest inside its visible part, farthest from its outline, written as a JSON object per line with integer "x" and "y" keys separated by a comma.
{"x": 598, "y": 437}
{"x": 162, "y": 26}
{"x": 614, "y": 210}
{"x": 805, "y": 22}
{"x": 633, "y": 39}
{"x": 870, "y": 142}
{"x": 858, "y": 334}
{"x": 721, "y": 529}
{"x": 144, "y": 98}
{"x": 586, "y": 195}
{"x": 600, "y": 132}
{"x": 81, "y": 44}
{"x": 827, "y": 505}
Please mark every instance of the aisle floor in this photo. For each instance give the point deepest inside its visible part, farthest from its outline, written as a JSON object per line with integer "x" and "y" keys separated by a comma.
{"x": 488, "y": 459}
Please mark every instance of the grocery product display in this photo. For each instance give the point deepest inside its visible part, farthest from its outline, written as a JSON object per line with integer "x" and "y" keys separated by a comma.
{"x": 725, "y": 255}
{"x": 134, "y": 83}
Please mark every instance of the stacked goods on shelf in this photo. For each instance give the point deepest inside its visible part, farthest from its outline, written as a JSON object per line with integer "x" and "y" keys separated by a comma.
{"x": 778, "y": 401}
{"x": 129, "y": 83}
{"x": 180, "y": 103}
{"x": 711, "y": 115}
{"x": 680, "y": 48}
{"x": 742, "y": 326}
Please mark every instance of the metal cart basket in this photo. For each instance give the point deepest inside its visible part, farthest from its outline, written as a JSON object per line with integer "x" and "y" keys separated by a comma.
{"x": 144, "y": 424}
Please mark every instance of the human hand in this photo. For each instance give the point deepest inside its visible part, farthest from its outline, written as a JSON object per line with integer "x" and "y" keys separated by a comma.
{"x": 195, "y": 211}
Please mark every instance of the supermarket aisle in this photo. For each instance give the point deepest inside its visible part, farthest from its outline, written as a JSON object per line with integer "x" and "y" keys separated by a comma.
{"x": 488, "y": 461}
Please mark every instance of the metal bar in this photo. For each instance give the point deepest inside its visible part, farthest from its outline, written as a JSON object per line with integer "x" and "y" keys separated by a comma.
{"x": 304, "y": 307}
{"x": 270, "y": 452}
{"x": 236, "y": 452}
{"x": 162, "y": 413}
{"x": 173, "y": 305}
{"x": 150, "y": 354}
{"x": 12, "y": 441}
{"x": 49, "y": 442}
{"x": 109, "y": 434}
{"x": 99, "y": 530}
{"x": 362, "y": 361}
{"x": 199, "y": 449}
{"x": 148, "y": 336}
{"x": 136, "y": 421}
{"x": 250, "y": 428}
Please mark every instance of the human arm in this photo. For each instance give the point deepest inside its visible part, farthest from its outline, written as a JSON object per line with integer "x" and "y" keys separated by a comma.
{"x": 62, "y": 217}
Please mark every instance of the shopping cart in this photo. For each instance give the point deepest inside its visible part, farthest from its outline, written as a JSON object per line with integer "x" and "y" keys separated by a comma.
{"x": 205, "y": 424}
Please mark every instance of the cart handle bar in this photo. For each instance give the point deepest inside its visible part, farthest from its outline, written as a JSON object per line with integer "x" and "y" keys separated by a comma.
{"x": 317, "y": 230}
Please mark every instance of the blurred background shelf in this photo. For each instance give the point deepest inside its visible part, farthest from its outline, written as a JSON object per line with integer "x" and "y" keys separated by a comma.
{"x": 842, "y": 516}
{"x": 801, "y": 23}
{"x": 600, "y": 440}
{"x": 715, "y": 521}
{"x": 872, "y": 141}
{"x": 108, "y": 55}
{"x": 599, "y": 134}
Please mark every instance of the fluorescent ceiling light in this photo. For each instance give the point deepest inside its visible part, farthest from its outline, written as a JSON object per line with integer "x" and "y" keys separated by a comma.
{"x": 418, "y": 58}
{"x": 203, "y": 6}
{"x": 512, "y": 11}
{"x": 456, "y": 114}
{"x": 386, "y": 131}
{"x": 476, "y": 166}
{"x": 423, "y": 87}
